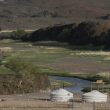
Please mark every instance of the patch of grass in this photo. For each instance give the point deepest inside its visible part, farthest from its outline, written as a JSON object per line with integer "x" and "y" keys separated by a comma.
{"x": 60, "y": 61}
{"x": 4, "y": 70}
{"x": 59, "y": 83}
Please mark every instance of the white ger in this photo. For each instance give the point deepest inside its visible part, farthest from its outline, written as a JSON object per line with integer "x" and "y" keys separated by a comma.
{"x": 94, "y": 96}
{"x": 61, "y": 95}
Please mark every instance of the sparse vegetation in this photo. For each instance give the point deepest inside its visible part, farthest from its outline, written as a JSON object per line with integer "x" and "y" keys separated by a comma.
{"x": 19, "y": 76}
{"x": 35, "y": 14}
{"x": 39, "y": 61}
{"x": 59, "y": 84}
{"x": 16, "y": 35}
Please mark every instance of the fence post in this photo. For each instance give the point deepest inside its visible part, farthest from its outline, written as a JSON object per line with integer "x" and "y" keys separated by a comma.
{"x": 94, "y": 106}
{"x": 73, "y": 103}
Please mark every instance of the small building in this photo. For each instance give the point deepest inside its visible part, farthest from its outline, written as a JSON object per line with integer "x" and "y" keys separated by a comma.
{"x": 61, "y": 95}
{"x": 99, "y": 84}
{"x": 94, "y": 96}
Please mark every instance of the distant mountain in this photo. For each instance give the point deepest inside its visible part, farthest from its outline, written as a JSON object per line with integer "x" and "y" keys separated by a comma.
{"x": 47, "y": 12}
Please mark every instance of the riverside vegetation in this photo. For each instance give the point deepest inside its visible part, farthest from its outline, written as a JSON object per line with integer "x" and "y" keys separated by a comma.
{"x": 76, "y": 50}
{"x": 85, "y": 35}
{"x": 26, "y": 68}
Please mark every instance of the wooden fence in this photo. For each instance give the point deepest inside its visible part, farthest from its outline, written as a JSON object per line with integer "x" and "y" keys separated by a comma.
{"x": 43, "y": 103}
{"x": 48, "y": 105}
{"x": 102, "y": 106}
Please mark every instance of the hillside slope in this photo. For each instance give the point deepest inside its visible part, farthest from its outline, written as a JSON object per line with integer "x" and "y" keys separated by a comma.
{"x": 63, "y": 8}
{"x": 47, "y": 12}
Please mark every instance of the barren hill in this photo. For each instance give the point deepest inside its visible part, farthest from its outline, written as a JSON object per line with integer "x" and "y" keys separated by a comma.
{"x": 38, "y": 13}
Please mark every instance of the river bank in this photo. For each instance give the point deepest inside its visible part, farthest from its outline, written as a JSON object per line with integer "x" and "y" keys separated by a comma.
{"x": 54, "y": 61}
{"x": 80, "y": 84}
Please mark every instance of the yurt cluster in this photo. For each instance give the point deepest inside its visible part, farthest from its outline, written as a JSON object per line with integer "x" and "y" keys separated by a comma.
{"x": 62, "y": 95}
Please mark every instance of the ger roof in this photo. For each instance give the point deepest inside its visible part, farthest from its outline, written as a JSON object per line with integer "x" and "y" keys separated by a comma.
{"x": 61, "y": 91}
{"x": 95, "y": 93}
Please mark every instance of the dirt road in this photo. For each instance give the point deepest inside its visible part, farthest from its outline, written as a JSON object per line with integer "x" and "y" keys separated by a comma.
{"x": 31, "y": 102}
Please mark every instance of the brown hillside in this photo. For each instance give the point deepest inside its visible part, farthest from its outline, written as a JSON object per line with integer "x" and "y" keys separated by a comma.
{"x": 35, "y": 13}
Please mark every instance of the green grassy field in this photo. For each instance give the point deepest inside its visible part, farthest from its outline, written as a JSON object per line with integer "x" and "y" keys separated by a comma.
{"x": 58, "y": 60}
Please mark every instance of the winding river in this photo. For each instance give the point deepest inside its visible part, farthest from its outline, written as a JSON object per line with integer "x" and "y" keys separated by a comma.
{"x": 80, "y": 83}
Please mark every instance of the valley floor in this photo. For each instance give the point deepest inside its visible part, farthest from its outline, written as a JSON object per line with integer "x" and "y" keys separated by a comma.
{"x": 31, "y": 102}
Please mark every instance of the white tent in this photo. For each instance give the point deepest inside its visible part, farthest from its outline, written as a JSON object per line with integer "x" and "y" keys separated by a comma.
{"x": 94, "y": 96}
{"x": 61, "y": 95}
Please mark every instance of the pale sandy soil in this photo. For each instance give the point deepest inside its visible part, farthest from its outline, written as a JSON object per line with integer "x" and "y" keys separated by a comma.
{"x": 34, "y": 102}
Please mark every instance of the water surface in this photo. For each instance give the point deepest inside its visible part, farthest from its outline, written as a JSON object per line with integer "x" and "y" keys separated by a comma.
{"x": 80, "y": 83}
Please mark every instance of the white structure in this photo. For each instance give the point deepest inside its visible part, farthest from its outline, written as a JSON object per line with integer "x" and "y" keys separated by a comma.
{"x": 61, "y": 95}
{"x": 94, "y": 96}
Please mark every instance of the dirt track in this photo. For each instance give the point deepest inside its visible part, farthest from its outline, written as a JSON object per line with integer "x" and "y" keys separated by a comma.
{"x": 31, "y": 102}
{"x": 36, "y": 105}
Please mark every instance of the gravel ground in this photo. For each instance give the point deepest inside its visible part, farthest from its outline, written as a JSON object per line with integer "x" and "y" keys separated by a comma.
{"x": 36, "y": 102}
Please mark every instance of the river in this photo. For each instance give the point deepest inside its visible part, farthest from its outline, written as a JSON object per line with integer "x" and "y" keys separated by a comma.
{"x": 79, "y": 83}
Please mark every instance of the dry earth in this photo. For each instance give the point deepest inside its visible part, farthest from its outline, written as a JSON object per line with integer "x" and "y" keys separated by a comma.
{"x": 80, "y": 65}
{"x": 31, "y": 102}
{"x": 31, "y": 14}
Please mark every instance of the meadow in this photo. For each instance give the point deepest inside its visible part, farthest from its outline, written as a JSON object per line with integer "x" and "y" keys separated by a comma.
{"x": 56, "y": 60}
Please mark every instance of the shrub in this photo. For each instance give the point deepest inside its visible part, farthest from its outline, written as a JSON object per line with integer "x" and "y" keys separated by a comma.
{"x": 18, "y": 34}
